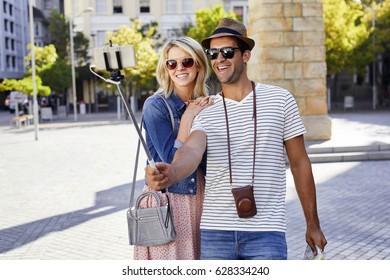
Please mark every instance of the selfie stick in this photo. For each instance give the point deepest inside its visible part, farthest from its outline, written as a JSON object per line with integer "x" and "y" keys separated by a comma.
{"x": 116, "y": 79}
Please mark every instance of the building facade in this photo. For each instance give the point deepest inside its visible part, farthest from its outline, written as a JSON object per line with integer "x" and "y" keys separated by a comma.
{"x": 95, "y": 18}
{"x": 42, "y": 10}
{"x": 15, "y": 32}
{"x": 108, "y": 15}
{"x": 14, "y": 35}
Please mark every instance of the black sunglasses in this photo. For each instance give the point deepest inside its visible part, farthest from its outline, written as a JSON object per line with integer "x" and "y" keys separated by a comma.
{"x": 185, "y": 62}
{"x": 227, "y": 52}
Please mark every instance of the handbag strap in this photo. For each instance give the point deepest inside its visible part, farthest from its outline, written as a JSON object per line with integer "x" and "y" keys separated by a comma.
{"x": 169, "y": 110}
{"x": 131, "y": 201}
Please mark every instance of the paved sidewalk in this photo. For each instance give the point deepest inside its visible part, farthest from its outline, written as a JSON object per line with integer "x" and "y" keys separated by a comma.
{"x": 356, "y": 136}
{"x": 65, "y": 195}
{"x": 357, "y": 128}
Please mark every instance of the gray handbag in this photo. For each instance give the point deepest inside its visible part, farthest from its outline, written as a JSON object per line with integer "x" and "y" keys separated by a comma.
{"x": 150, "y": 226}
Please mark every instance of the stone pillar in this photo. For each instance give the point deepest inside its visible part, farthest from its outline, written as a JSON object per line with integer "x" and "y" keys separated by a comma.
{"x": 290, "y": 53}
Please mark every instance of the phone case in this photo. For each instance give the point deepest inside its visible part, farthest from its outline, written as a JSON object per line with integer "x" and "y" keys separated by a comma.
{"x": 309, "y": 255}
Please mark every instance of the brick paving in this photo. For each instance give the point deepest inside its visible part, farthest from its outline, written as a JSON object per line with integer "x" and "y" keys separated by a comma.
{"x": 353, "y": 201}
{"x": 65, "y": 195}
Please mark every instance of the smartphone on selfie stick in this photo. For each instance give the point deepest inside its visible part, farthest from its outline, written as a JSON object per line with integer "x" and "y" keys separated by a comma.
{"x": 114, "y": 58}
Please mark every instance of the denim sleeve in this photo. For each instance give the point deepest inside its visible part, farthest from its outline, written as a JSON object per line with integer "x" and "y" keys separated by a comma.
{"x": 158, "y": 128}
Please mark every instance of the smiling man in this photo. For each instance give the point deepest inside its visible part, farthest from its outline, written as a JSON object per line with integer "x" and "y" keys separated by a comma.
{"x": 245, "y": 134}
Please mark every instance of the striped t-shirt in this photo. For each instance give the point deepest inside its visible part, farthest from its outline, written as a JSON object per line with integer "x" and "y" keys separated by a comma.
{"x": 278, "y": 120}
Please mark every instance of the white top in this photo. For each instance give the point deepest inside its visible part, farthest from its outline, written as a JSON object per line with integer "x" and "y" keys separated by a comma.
{"x": 278, "y": 120}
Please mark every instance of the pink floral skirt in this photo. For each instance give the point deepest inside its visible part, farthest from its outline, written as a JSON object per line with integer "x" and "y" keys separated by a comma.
{"x": 186, "y": 213}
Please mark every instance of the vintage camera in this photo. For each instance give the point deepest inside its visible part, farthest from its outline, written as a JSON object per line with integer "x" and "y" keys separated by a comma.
{"x": 245, "y": 201}
{"x": 114, "y": 57}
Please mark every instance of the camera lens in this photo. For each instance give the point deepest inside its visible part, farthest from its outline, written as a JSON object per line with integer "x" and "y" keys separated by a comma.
{"x": 245, "y": 204}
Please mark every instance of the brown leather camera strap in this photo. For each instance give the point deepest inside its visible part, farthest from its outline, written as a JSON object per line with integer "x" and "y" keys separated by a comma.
{"x": 254, "y": 117}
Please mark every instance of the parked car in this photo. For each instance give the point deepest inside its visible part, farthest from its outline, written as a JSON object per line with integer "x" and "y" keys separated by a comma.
{"x": 17, "y": 98}
{"x": 7, "y": 101}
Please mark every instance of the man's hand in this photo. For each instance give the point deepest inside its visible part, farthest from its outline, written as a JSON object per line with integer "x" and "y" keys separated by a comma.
{"x": 157, "y": 178}
{"x": 185, "y": 162}
{"x": 314, "y": 237}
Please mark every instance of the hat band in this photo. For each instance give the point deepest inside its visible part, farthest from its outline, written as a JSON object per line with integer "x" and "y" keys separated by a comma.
{"x": 226, "y": 30}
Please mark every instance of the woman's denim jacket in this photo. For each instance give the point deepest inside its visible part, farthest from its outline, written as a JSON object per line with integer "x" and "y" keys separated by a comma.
{"x": 160, "y": 138}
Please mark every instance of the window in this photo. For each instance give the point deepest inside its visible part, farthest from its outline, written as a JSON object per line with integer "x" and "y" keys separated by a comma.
{"x": 8, "y": 61}
{"x": 12, "y": 44}
{"x": 171, "y": 33}
{"x": 171, "y": 6}
{"x": 5, "y": 7}
{"x": 101, "y": 38}
{"x": 144, "y": 6}
{"x": 75, "y": 7}
{"x": 47, "y": 4}
{"x": 6, "y": 43}
{"x": 10, "y": 9}
{"x": 239, "y": 12}
{"x": 6, "y": 25}
{"x": 11, "y": 27}
{"x": 187, "y": 6}
{"x": 118, "y": 7}
{"x": 36, "y": 29}
{"x": 240, "y": 9}
{"x": 101, "y": 7}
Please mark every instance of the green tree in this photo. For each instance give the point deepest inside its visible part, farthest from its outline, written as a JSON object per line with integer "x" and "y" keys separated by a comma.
{"x": 60, "y": 38}
{"x": 53, "y": 71}
{"x": 58, "y": 76}
{"x": 150, "y": 30}
{"x": 45, "y": 57}
{"x": 352, "y": 42}
{"x": 207, "y": 20}
{"x": 383, "y": 27}
{"x": 183, "y": 30}
{"x": 344, "y": 33}
{"x": 382, "y": 49}
{"x": 143, "y": 75}
{"x": 81, "y": 47}
{"x": 25, "y": 85}
{"x": 59, "y": 33}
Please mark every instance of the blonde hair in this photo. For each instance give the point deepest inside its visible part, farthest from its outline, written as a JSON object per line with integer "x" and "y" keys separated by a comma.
{"x": 195, "y": 50}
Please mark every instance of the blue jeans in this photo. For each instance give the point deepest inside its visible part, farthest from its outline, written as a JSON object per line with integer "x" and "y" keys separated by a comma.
{"x": 242, "y": 245}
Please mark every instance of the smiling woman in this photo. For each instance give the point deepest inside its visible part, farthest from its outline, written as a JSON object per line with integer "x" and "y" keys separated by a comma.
{"x": 181, "y": 73}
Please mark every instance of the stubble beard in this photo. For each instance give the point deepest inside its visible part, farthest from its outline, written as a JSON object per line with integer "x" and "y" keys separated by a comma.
{"x": 233, "y": 76}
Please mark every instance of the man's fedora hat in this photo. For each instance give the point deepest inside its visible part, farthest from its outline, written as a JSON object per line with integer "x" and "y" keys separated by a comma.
{"x": 229, "y": 27}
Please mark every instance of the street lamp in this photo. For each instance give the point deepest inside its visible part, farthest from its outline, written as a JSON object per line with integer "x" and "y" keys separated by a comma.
{"x": 374, "y": 88}
{"x": 33, "y": 68}
{"x": 93, "y": 35}
{"x": 89, "y": 9}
